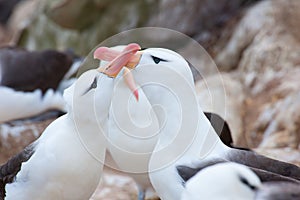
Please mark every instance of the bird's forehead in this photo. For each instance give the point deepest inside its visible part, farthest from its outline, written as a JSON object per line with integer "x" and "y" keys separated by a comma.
{"x": 86, "y": 79}
{"x": 88, "y": 75}
{"x": 163, "y": 53}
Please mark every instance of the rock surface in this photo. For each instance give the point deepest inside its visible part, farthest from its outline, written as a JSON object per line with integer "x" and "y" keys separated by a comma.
{"x": 264, "y": 51}
{"x": 82, "y": 25}
{"x": 14, "y": 137}
{"x": 224, "y": 95}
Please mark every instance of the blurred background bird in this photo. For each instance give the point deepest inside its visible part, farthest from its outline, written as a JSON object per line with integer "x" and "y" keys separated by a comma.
{"x": 235, "y": 181}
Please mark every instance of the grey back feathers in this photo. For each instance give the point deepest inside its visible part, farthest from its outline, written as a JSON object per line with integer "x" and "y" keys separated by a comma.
{"x": 266, "y": 168}
{"x": 234, "y": 182}
{"x": 187, "y": 172}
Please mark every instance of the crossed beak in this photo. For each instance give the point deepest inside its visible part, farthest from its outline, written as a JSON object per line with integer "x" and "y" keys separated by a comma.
{"x": 128, "y": 58}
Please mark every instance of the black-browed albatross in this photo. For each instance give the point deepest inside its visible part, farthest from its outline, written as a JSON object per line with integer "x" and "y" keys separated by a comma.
{"x": 193, "y": 140}
{"x": 235, "y": 181}
{"x": 226, "y": 181}
{"x": 66, "y": 161}
{"x": 122, "y": 134}
{"x": 31, "y": 82}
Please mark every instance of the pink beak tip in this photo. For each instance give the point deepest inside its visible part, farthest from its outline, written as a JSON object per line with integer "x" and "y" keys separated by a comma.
{"x": 136, "y": 94}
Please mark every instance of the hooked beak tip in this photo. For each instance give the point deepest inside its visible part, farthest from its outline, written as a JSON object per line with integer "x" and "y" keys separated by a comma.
{"x": 129, "y": 80}
{"x": 136, "y": 94}
{"x": 129, "y": 57}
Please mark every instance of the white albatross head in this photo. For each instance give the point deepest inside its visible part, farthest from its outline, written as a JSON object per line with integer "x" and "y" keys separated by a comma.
{"x": 91, "y": 89}
{"x": 161, "y": 57}
{"x": 163, "y": 63}
{"x": 222, "y": 181}
{"x": 94, "y": 87}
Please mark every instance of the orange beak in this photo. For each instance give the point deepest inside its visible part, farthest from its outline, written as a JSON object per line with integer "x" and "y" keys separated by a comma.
{"x": 128, "y": 58}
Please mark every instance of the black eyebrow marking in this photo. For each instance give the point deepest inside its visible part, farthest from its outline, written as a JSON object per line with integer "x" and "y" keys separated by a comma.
{"x": 245, "y": 181}
{"x": 157, "y": 59}
{"x": 92, "y": 86}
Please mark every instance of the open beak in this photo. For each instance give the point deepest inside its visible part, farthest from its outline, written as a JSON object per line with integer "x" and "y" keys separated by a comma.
{"x": 129, "y": 80}
{"x": 128, "y": 58}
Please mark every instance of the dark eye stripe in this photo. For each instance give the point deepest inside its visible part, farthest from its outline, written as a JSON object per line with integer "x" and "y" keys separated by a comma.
{"x": 243, "y": 180}
{"x": 157, "y": 59}
{"x": 93, "y": 86}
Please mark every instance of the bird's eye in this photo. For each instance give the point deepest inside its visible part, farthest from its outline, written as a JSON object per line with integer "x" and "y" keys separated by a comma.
{"x": 94, "y": 84}
{"x": 157, "y": 60}
{"x": 244, "y": 181}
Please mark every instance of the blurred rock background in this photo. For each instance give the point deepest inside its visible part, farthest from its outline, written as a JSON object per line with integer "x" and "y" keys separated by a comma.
{"x": 255, "y": 44}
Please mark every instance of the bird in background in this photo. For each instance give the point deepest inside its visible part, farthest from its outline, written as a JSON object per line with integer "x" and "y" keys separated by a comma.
{"x": 32, "y": 82}
{"x": 226, "y": 181}
{"x": 234, "y": 181}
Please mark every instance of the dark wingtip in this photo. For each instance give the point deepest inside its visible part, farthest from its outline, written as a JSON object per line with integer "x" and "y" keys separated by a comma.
{"x": 221, "y": 127}
{"x": 186, "y": 172}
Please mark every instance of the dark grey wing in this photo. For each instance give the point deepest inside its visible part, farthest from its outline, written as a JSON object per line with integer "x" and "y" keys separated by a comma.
{"x": 2, "y": 190}
{"x": 267, "y": 176}
{"x": 278, "y": 191}
{"x": 50, "y": 114}
{"x": 266, "y": 169}
{"x": 187, "y": 172}
{"x": 254, "y": 160}
{"x": 221, "y": 127}
{"x": 9, "y": 170}
{"x": 196, "y": 74}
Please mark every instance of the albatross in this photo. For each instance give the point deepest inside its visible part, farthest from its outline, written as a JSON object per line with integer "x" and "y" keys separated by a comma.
{"x": 230, "y": 181}
{"x": 235, "y": 181}
{"x": 66, "y": 161}
{"x": 133, "y": 126}
{"x": 31, "y": 82}
{"x": 186, "y": 136}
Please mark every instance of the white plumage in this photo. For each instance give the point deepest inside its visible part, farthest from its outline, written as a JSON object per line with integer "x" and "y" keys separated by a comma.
{"x": 226, "y": 181}
{"x": 19, "y": 104}
{"x": 68, "y": 158}
{"x": 186, "y": 136}
{"x": 133, "y": 133}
